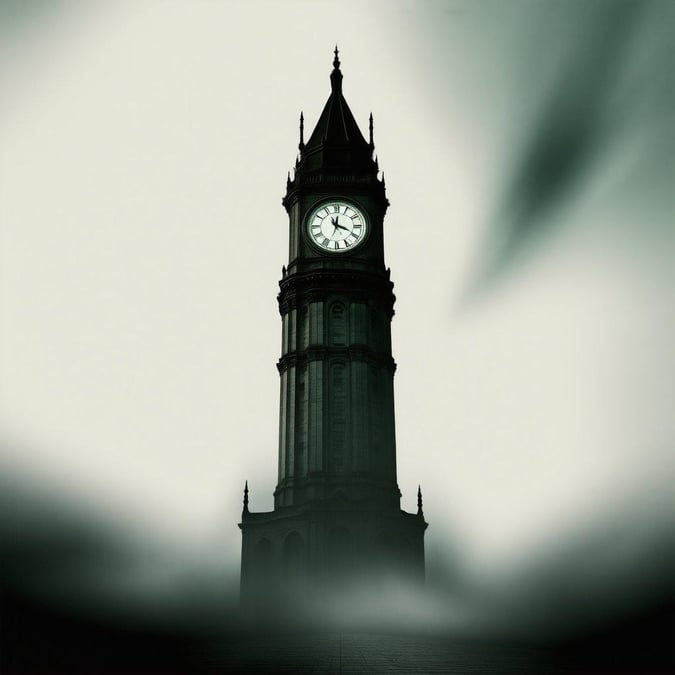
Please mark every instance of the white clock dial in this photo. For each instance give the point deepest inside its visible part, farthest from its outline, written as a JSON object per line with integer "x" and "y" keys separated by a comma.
{"x": 337, "y": 226}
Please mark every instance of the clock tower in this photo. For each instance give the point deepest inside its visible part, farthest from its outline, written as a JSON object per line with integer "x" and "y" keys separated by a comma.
{"x": 337, "y": 519}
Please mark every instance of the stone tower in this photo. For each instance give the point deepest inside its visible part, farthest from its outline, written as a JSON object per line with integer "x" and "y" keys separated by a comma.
{"x": 337, "y": 517}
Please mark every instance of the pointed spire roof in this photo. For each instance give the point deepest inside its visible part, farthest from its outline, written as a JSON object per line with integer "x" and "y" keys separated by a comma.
{"x": 301, "y": 145}
{"x": 245, "y": 509}
{"x": 337, "y": 141}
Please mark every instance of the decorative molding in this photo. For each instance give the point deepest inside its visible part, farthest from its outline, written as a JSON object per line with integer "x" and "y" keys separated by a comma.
{"x": 299, "y": 289}
{"x": 351, "y": 353}
{"x": 304, "y": 183}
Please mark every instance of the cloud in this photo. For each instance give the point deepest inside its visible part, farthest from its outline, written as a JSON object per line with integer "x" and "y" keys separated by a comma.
{"x": 578, "y": 128}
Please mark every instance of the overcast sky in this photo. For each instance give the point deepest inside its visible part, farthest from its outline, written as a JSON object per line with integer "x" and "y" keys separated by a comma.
{"x": 527, "y": 148}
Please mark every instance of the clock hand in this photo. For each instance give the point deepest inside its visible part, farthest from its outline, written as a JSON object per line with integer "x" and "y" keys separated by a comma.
{"x": 336, "y": 225}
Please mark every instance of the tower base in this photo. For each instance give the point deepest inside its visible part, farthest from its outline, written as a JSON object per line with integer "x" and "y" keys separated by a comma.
{"x": 299, "y": 555}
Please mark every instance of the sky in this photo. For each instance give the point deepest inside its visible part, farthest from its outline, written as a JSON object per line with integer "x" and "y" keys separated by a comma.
{"x": 528, "y": 154}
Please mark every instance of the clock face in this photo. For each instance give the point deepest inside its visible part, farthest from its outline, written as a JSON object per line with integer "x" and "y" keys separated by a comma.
{"x": 337, "y": 226}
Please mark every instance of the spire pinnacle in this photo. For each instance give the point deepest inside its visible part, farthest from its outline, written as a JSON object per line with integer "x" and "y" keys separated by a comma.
{"x": 336, "y": 141}
{"x": 370, "y": 129}
{"x": 245, "y": 509}
{"x": 336, "y": 75}
{"x": 302, "y": 131}
{"x": 419, "y": 501}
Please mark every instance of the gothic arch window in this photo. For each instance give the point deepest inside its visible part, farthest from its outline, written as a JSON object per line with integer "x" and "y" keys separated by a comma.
{"x": 358, "y": 323}
{"x": 338, "y": 324}
{"x": 337, "y": 420}
{"x": 303, "y": 321}
{"x": 300, "y": 422}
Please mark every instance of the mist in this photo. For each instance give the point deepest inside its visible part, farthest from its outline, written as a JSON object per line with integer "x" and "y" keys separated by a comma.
{"x": 527, "y": 148}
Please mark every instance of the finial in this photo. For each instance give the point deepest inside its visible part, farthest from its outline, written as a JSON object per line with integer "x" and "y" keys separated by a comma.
{"x": 336, "y": 75}
{"x": 302, "y": 131}
{"x": 370, "y": 128}
{"x": 245, "y": 510}
{"x": 383, "y": 184}
{"x": 419, "y": 501}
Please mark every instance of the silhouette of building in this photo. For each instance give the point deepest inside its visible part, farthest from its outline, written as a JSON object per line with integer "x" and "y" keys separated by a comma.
{"x": 337, "y": 515}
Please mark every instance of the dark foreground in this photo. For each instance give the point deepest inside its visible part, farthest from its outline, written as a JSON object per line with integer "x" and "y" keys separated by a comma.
{"x": 36, "y": 638}
{"x": 371, "y": 653}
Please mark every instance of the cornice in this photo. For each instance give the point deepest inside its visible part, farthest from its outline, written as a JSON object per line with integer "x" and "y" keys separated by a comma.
{"x": 327, "y": 181}
{"x": 301, "y": 358}
{"x": 298, "y": 289}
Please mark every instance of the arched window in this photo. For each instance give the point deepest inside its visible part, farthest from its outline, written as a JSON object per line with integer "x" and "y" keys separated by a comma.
{"x": 337, "y": 421}
{"x": 338, "y": 324}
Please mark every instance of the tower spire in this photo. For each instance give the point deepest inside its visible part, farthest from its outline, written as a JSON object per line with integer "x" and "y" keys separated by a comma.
{"x": 370, "y": 129}
{"x": 245, "y": 509}
{"x": 302, "y": 131}
{"x": 336, "y": 142}
{"x": 419, "y": 501}
{"x": 336, "y": 75}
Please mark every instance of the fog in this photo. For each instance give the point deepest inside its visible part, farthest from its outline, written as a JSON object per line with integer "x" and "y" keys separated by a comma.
{"x": 527, "y": 148}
